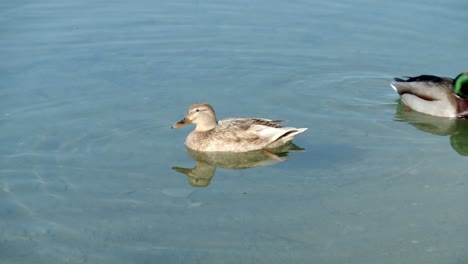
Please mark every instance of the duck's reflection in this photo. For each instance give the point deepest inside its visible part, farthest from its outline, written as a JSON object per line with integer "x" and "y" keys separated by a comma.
{"x": 456, "y": 128}
{"x": 207, "y": 162}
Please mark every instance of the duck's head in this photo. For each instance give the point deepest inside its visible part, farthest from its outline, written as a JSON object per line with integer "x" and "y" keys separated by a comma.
{"x": 460, "y": 85}
{"x": 460, "y": 89}
{"x": 200, "y": 114}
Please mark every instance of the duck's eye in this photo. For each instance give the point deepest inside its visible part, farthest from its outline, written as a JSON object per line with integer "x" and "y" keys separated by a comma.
{"x": 198, "y": 110}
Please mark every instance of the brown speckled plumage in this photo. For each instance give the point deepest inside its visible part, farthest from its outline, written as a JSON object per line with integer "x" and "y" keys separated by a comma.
{"x": 233, "y": 134}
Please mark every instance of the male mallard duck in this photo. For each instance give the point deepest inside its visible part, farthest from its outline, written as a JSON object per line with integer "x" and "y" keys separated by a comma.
{"x": 437, "y": 96}
{"x": 233, "y": 134}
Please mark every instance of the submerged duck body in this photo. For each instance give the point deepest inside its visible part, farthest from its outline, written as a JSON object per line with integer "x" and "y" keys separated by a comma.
{"x": 233, "y": 134}
{"x": 433, "y": 95}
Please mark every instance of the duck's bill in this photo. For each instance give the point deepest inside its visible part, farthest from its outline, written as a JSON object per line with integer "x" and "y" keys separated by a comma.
{"x": 182, "y": 122}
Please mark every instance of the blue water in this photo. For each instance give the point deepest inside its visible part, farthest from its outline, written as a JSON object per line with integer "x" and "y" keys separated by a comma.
{"x": 90, "y": 89}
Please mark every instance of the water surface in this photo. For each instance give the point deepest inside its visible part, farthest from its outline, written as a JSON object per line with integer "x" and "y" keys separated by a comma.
{"x": 89, "y": 90}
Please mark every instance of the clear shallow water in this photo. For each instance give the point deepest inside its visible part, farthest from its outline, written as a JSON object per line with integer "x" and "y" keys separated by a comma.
{"x": 89, "y": 91}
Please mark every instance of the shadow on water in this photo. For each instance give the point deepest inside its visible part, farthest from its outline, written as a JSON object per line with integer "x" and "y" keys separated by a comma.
{"x": 457, "y": 129}
{"x": 207, "y": 162}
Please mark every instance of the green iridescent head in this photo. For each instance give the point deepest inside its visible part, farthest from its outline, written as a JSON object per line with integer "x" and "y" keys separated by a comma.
{"x": 460, "y": 85}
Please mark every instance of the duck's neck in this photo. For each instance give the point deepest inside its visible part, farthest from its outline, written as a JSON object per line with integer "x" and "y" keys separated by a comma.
{"x": 206, "y": 125}
{"x": 462, "y": 107}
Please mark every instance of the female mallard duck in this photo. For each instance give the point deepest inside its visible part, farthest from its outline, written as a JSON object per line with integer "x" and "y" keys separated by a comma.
{"x": 233, "y": 134}
{"x": 437, "y": 96}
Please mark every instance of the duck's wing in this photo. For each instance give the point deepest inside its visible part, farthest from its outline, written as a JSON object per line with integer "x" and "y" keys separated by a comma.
{"x": 428, "y": 94}
{"x": 426, "y": 78}
{"x": 427, "y": 87}
{"x": 255, "y": 130}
